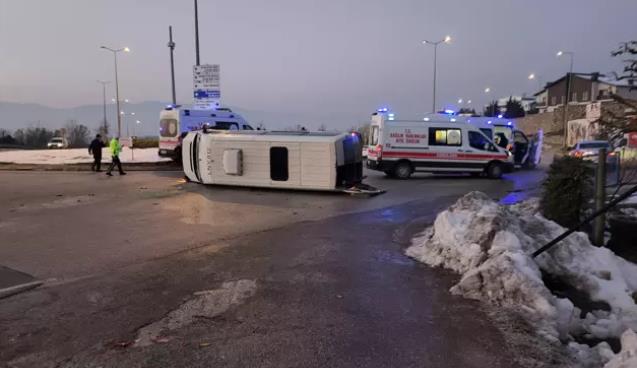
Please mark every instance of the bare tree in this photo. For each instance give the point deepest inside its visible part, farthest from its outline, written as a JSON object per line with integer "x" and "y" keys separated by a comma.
{"x": 629, "y": 73}
{"x": 77, "y": 134}
{"x": 34, "y": 137}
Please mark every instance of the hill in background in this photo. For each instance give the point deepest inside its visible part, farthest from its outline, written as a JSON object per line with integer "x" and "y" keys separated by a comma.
{"x": 21, "y": 115}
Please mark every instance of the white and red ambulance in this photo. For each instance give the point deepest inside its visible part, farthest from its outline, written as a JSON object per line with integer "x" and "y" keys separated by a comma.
{"x": 437, "y": 143}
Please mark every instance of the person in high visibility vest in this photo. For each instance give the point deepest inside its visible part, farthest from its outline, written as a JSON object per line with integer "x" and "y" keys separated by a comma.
{"x": 115, "y": 148}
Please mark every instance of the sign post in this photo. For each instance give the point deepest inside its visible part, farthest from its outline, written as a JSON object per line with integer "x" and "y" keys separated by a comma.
{"x": 206, "y": 87}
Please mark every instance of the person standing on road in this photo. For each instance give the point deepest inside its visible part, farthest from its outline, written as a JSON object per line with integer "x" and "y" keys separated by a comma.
{"x": 115, "y": 148}
{"x": 96, "y": 150}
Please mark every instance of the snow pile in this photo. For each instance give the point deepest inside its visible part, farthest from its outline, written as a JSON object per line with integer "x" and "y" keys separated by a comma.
{"x": 628, "y": 356}
{"x": 77, "y": 156}
{"x": 489, "y": 245}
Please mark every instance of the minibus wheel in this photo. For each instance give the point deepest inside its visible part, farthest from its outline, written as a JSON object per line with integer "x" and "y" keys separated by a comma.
{"x": 494, "y": 170}
{"x": 402, "y": 170}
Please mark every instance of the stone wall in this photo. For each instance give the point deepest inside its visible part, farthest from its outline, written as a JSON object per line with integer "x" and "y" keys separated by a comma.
{"x": 552, "y": 123}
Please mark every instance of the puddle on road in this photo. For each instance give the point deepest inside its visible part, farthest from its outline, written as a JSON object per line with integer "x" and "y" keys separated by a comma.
{"x": 204, "y": 304}
{"x": 60, "y": 202}
{"x": 194, "y": 209}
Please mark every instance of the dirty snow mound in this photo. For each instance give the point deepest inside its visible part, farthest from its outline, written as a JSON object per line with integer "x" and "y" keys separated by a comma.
{"x": 489, "y": 245}
{"x": 627, "y": 358}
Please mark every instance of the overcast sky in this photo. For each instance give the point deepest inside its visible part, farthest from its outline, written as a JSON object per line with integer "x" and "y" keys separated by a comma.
{"x": 305, "y": 56}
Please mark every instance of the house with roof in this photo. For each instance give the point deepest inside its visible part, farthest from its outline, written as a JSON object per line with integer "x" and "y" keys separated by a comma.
{"x": 584, "y": 88}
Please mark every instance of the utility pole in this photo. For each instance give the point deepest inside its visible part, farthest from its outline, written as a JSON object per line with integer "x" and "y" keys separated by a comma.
{"x": 196, "y": 34}
{"x": 568, "y": 92}
{"x": 600, "y": 199}
{"x": 171, "y": 46}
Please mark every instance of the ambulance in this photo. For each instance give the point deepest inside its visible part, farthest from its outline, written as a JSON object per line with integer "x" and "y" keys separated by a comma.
{"x": 176, "y": 121}
{"x": 437, "y": 143}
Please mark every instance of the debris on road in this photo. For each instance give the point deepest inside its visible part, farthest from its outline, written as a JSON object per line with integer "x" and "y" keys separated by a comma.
{"x": 575, "y": 294}
{"x": 208, "y": 303}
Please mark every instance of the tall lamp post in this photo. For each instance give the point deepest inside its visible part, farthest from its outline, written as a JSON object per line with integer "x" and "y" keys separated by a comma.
{"x": 105, "y": 122}
{"x": 115, "y": 52}
{"x": 446, "y": 40}
{"x": 568, "y": 92}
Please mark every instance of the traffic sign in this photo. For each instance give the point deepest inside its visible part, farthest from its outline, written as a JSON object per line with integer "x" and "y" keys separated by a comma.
{"x": 206, "y": 86}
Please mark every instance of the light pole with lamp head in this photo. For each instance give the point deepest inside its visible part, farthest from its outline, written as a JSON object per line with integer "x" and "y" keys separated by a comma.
{"x": 568, "y": 92}
{"x": 130, "y": 139}
{"x": 446, "y": 40}
{"x": 115, "y": 51}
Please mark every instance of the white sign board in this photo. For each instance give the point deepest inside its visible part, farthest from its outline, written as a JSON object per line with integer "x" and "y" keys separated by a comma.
{"x": 593, "y": 111}
{"x": 126, "y": 141}
{"x": 206, "y": 86}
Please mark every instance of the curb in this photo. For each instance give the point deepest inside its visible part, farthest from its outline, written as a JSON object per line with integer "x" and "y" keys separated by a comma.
{"x": 16, "y": 289}
{"x": 165, "y": 166}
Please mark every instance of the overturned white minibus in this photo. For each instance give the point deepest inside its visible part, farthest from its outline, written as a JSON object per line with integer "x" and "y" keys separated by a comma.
{"x": 292, "y": 160}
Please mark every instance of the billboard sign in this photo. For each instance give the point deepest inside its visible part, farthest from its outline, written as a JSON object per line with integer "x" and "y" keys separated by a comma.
{"x": 206, "y": 86}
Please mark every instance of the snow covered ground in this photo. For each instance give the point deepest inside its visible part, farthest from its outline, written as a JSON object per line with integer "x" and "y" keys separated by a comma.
{"x": 489, "y": 245}
{"x": 76, "y": 156}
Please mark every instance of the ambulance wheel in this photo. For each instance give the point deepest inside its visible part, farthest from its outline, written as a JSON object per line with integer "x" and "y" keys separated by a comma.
{"x": 402, "y": 170}
{"x": 494, "y": 171}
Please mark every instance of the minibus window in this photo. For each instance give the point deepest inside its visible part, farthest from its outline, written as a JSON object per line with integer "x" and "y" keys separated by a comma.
{"x": 445, "y": 137}
{"x": 279, "y": 163}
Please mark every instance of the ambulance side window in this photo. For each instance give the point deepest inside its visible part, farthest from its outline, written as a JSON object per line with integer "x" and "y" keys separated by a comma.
{"x": 479, "y": 141}
{"x": 445, "y": 137}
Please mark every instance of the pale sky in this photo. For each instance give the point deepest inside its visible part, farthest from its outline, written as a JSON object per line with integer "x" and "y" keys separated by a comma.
{"x": 305, "y": 56}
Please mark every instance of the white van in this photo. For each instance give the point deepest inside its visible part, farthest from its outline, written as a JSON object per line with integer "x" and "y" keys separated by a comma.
{"x": 438, "y": 143}
{"x": 292, "y": 160}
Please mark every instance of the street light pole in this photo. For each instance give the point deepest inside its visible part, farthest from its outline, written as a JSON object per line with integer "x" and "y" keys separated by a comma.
{"x": 104, "y": 83}
{"x": 115, "y": 51}
{"x": 171, "y": 46}
{"x": 196, "y": 33}
{"x": 568, "y": 92}
{"x": 447, "y": 39}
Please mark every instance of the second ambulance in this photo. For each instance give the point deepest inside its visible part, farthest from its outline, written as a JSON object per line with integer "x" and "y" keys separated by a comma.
{"x": 438, "y": 143}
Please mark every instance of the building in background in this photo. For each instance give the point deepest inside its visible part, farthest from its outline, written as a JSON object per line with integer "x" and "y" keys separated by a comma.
{"x": 585, "y": 88}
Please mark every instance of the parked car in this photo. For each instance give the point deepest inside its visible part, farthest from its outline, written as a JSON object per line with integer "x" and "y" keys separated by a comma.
{"x": 58, "y": 142}
{"x": 589, "y": 150}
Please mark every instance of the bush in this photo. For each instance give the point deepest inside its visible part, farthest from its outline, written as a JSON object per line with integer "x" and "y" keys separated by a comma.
{"x": 146, "y": 142}
{"x": 567, "y": 189}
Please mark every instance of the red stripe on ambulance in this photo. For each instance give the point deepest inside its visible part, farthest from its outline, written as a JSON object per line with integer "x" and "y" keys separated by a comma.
{"x": 442, "y": 156}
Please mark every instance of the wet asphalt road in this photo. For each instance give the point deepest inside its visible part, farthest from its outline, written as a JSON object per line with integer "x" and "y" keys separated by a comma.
{"x": 333, "y": 288}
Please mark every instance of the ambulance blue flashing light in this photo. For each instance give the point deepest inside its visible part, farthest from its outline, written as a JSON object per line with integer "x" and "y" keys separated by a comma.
{"x": 510, "y": 123}
{"x": 382, "y": 109}
{"x": 453, "y": 120}
{"x": 489, "y": 122}
{"x": 426, "y": 119}
{"x": 449, "y": 112}
{"x": 500, "y": 116}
